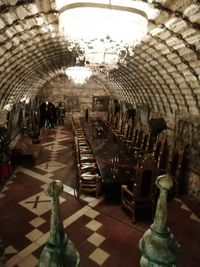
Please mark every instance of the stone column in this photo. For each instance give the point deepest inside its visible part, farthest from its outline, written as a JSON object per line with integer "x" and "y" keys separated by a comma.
{"x": 158, "y": 245}
{"x": 59, "y": 250}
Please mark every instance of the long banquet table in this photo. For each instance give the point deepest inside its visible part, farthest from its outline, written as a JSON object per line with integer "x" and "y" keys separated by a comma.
{"x": 116, "y": 163}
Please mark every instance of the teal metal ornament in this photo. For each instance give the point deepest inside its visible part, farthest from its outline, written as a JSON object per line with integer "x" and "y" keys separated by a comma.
{"x": 158, "y": 245}
{"x": 58, "y": 250}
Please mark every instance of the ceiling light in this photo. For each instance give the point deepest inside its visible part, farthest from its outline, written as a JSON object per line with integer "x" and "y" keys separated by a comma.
{"x": 79, "y": 75}
{"x": 102, "y": 33}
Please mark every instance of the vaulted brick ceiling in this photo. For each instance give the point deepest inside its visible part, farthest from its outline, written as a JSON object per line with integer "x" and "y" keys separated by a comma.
{"x": 164, "y": 71}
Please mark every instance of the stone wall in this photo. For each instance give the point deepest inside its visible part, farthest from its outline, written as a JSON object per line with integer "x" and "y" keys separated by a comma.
{"x": 192, "y": 178}
{"x": 59, "y": 89}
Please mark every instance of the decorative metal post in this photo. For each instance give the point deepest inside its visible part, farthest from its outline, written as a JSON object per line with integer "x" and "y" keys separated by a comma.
{"x": 59, "y": 250}
{"x": 158, "y": 245}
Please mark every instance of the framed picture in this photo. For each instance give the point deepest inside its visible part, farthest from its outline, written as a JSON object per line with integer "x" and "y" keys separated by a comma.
{"x": 15, "y": 122}
{"x": 144, "y": 114}
{"x": 187, "y": 127}
{"x": 72, "y": 103}
{"x": 100, "y": 103}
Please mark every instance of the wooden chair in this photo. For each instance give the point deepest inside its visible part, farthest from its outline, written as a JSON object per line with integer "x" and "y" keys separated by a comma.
{"x": 164, "y": 162}
{"x": 138, "y": 141}
{"x": 108, "y": 121}
{"x": 134, "y": 136}
{"x": 87, "y": 158}
{"x": 85, "y": 150}
{"x": 118, "y": 132}
{"x": 146, "y": 139}
{"x": 127, "y": 131}
{"x": 141, "y": 195}
{"x": 142, "y": 148}
{"x": 116, "y": 121}
{"x": 89, "y": 182}
{"x": 159, "y": 147}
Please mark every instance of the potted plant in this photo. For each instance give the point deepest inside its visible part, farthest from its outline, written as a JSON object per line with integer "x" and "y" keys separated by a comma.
{"x": 34, "y": 134}
{"x": 5, "y": 153}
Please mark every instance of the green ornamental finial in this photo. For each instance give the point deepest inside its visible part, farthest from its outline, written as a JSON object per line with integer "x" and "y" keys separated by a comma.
{"x": 59, "y": 250}
{"x": 158, "y": 245}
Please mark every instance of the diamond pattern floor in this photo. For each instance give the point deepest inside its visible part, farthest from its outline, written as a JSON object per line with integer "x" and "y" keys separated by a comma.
{"x": 102, "y": 233}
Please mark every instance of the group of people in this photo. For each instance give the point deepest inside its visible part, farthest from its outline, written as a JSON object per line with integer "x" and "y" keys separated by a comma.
{"x": 60, "y": 114}
{"x": 54, "y": 115}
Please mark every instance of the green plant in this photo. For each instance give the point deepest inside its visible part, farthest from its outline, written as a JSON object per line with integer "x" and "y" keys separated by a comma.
{"x": 5, "y": 151}
{"x": 34, "y": 132}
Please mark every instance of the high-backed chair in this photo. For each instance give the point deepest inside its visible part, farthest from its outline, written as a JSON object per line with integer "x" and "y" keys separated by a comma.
{"x": 146, "y": 139}
{"x": 127, "y": 131}
{"x": 134, "y": 136}
{"x": 141, "y": 195}
{"x": 108, "y": 121}
{"x": 159, "y": 147}
{"x": 164, "y": 162}
{"x": 119, "y": 130}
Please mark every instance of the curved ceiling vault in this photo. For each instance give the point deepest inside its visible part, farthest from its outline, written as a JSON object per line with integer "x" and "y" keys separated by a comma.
{"x": 164, "y": 71}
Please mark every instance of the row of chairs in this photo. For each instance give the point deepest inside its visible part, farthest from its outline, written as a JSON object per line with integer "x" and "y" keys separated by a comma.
{"x": 143, "y": 192}
{"x": 136, "y": 137}
{"x": 140, "y": 141}
{"x": 88, "y": 177}
{"x": 156, "y": 155}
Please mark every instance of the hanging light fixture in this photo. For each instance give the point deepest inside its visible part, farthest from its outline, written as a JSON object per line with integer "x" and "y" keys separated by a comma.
{"x": 79, "y": 75}
{"x": 103, "y": 33}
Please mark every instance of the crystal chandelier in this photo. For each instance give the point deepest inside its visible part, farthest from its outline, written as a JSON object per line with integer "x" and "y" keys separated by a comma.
{"x": 79, "y": 75}
{"x": 102, "y": 33}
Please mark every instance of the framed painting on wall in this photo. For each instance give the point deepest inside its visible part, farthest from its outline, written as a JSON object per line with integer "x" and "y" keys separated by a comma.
{"x": 187, "y": 127}
{"x": 15, "y": 121}
{"x": 100, "y": 103}
{"x": 72, "y": 103}
{"x": 143, "y": 114}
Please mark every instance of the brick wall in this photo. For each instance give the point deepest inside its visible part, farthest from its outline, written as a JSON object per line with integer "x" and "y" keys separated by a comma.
{"x": 60, "y": 88}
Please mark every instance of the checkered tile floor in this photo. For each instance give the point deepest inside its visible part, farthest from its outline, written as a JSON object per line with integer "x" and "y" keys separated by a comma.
{"x": 101, "y": 232}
